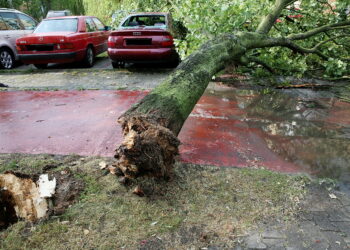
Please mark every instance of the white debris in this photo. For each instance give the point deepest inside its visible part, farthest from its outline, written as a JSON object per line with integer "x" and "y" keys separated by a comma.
{"x": 154, "y": 223}
{"x": 46, "y": 187}
{"x": 102, "y": 165}
{"x": 332, "y": 196}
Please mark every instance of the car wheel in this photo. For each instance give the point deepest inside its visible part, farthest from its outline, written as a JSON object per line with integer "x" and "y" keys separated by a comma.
{"x": 89, "y": 57}
{"x": 41, "y": 66}
{"x": 7, "y": 60}
{"x": 118, "y": 64}
{"x": 175, "y": 62}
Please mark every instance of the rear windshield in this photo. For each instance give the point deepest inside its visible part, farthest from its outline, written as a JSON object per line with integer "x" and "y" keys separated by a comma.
{"x": 56, "y": 14}
{"x": 151, "y": 21}
{"x": 57, "y": 25}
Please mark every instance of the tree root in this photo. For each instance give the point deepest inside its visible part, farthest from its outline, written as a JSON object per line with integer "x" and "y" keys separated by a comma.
{"x": 148, "y": 148}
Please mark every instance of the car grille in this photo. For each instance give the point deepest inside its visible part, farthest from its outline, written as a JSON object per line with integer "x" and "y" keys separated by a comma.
{"x": 41, "y": 47}
{"x": 139, "y": 41}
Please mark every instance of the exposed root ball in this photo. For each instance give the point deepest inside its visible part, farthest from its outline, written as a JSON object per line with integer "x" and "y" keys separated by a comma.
{"x": 147, "y": 149}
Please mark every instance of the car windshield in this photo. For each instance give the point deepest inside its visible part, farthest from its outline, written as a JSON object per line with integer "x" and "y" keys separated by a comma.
{"x": 57, "y": 25}
{"x": 149, "y": 21}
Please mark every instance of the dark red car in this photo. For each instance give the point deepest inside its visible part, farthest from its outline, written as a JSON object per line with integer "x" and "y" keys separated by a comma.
{"x": 143, "y": 37}
{"x": 64, "y": 40}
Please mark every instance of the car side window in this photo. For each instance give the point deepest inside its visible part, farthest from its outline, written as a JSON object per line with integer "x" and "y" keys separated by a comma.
{"x": 28, "y": 23}
{"x": 3, "y": 25}
{"x": 90, "y": 26}
{"x": 11, "y": 20}
{"x": 99, "y": 24}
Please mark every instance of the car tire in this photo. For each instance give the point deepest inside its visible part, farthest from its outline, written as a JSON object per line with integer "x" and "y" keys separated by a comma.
{"x": 175, "y": 62}
{"x": 41, "y": 66}
{"x": 7, "y": 59}
{"x": 118, "y": 65}
{"x": 89, "y": 59}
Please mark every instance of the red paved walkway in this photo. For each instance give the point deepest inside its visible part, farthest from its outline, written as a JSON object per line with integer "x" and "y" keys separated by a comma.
{"x": 84, "y": 123}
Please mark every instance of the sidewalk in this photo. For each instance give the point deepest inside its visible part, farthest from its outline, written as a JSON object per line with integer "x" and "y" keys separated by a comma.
{"x": 323, "y": 223}
{"x": 84, "y": 123}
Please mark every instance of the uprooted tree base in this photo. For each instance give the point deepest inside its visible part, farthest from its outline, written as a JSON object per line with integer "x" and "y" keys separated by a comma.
{"x": 146, "y": 144}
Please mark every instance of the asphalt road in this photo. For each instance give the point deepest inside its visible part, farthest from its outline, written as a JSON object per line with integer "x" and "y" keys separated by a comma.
{"x": 75, "y": 77}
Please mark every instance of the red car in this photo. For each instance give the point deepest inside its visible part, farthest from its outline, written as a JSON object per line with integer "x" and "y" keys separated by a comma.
{"x": 143, "y": 37}
{"x": 64, "y": 40}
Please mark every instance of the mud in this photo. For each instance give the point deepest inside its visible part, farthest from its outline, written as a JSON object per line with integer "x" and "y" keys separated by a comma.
{"x": 67, "y": 191}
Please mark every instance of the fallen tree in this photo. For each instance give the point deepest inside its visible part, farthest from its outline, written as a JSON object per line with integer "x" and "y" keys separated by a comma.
{"x": 150, "y": 127}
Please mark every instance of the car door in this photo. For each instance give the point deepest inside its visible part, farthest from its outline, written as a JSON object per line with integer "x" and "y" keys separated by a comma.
{"x": 14, "y": 30}
{"x": 102, "y": 35}
{"x": 92, "y": 33}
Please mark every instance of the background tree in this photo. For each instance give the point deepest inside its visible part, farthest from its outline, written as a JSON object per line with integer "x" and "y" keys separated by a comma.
{"x": 39, "y": 8}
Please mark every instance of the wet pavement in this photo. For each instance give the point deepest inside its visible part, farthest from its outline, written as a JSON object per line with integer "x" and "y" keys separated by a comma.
{"x": 308, "y": 131}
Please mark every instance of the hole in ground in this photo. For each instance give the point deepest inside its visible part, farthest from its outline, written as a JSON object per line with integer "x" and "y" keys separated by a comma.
{"x": 29, "y": 198}
{"x": 8, "y": 214}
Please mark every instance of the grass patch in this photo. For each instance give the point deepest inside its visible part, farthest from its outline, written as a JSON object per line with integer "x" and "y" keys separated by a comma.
{"x": 201, "y": 205}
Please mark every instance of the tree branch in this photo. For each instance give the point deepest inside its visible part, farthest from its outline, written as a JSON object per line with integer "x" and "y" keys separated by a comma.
{"x": 262, "y": 63}
{"x": 268, "y": 42}
{"x": 337, "y": 43}
{"x": 329, "y": 40}
{"x": 313, "y": 32}
{"x": 269, "y": 20}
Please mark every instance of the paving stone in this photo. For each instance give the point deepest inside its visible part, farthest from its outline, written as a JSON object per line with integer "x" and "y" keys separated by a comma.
{"x": 336, "y": 246}
{"x": 343, "y": 227}
{"x": 254, "y": 243}
{"x": 347, "y": 209}
{"x": 321, "y": 219}
{"x": 213, "y": 248}
{"x": 337, "y": 216}
{"x": 347, "y": 241}
{"x": 345, "y": 200}
{"x": 318, "y": 245}
{"x": 307, "y": 215}
{"x": 273, "y": 242}
{"x": 257, "y": 246}
{"x": 237, "y": 248}
{"x": 272, "y": 235}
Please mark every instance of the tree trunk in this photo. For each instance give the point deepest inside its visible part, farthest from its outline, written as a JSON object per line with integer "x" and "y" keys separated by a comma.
{"x": 150, "y": 127}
